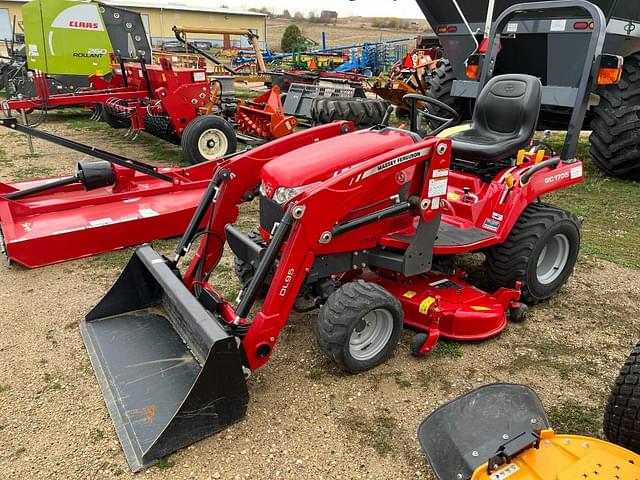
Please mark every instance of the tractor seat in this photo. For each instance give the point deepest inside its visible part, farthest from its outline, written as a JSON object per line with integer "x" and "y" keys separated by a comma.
{"x": 504, "y": 119}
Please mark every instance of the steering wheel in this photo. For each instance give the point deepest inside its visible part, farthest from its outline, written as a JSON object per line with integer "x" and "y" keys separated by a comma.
{"x": 417, "y": 114}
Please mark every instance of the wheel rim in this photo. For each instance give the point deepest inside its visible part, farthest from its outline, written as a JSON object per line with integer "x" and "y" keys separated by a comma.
{"x": 553, "y": 259}
{"x": 212, "y": 144}
{"x": 371, "y": 334}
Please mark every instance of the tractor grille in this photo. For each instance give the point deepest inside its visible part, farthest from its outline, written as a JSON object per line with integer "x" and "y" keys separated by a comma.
{"x": 270, "y": 213}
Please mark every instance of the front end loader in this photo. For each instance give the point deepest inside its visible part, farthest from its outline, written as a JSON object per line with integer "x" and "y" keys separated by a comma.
{"x": 366, "y": 226}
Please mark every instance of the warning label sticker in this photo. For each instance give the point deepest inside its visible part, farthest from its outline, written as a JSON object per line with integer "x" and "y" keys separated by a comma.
{"x": 437, "y": 187}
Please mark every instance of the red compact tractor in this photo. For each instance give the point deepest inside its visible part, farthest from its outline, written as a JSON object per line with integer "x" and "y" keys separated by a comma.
{"x": 366, "y": 226}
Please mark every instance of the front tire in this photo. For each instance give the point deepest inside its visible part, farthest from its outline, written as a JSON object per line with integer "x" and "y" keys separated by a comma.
{"x": 541, "y": 252}
{"x": 359, "y": 326}
{"x": 208, "y": 137}
{"x": 622, "y": 414}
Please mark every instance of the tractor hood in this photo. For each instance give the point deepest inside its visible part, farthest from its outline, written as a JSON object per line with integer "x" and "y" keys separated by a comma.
{"x": 319, "y": 161}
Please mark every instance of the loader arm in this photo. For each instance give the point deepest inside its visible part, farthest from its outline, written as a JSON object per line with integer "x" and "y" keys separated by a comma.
{"x": 242, "y": 175}
{"x": 312, "y": 226}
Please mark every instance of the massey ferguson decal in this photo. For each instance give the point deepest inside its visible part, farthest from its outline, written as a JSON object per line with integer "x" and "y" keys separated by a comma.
{"x": 392, "y": 163}
{"x": 79, "y": 17}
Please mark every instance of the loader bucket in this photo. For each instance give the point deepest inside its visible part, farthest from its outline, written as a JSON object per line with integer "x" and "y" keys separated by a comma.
{"x": 463, "y": 434}
{"x": 169, "y": 373}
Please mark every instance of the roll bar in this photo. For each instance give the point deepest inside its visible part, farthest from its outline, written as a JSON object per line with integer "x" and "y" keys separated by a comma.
{"x": 590, "y": 68}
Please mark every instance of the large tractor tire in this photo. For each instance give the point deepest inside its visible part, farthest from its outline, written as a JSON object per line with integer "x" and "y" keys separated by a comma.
{"x": 359, "y": 326}
{"x": 363, "y": 112}
{"x": 540, "y": 252}
{"x": 208, "y": 137}
{"x": 622, "y": 414}
{"x": 439, "y": 87}
{"x": 615, "y": 137}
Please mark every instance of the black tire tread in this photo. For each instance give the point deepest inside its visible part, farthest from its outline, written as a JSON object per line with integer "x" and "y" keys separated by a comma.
{"x": 342, "y": 308}
{"x": 362, "y": 112}
{"x": 615, "y": 137}
{"x": 622, "y": 413}
{"x": 114, "y": 120}
{"x": 507, "y": 262}
{"x": 160, "y": 126}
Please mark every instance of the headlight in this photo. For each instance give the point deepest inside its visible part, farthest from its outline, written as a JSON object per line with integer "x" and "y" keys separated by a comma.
{"x": 284, "y": 194}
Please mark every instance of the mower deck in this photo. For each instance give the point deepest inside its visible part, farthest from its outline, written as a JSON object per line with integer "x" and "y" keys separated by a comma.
{"x": 69, "y": 222}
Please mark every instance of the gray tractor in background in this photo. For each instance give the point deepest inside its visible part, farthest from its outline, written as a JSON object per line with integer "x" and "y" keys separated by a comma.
{"x": 537, "y": 45}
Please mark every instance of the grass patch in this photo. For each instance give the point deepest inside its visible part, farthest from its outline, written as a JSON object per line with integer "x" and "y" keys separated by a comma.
{"x": 427, "y": 378}
{"x": 576, "y": 419}
{"x": 31, "y": 172}
{"x": 165, "y": 464}
{"x": 377, "y": 431}
{"x": 400, "y": 381}
{"x": 447, "y": 349}
{"x": 610, "y": 208}
{"x": 117, "y": 259}
{"x": 85, "y": 123}
{"x": 4, "y": 388}
{"x": 549, "y": 354}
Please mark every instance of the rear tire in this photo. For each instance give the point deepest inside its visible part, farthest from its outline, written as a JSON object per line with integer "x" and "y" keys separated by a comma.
{"x": 541, "y": 252}
{"x": 362, "y": 112}
{"x": 622, "y": 413}
{"x": 208, "y": 137}
{"x": 359, "y": 326}
{"x": 615, "y": 137}
{"x": 440, "y": 84}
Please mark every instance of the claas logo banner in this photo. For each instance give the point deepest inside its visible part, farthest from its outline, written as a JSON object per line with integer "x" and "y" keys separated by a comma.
{"x": 79, "y": 17}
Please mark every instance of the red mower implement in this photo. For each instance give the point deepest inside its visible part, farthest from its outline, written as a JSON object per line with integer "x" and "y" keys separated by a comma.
{"x": 364, "y": 225}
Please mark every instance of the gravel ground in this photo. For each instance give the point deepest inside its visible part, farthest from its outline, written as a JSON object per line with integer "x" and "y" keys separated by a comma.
{"x": 306, "y": 419}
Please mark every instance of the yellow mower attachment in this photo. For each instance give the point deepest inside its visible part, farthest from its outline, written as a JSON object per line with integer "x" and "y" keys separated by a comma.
{"x": 501, "y": 432}
{"x": 567, "y": 457}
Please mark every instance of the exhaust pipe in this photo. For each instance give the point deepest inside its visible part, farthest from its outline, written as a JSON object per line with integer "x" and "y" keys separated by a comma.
{"x": 169, "y": 372}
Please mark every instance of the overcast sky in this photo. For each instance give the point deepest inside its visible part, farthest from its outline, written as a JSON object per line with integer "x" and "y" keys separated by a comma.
{"x": 365, "y": 8}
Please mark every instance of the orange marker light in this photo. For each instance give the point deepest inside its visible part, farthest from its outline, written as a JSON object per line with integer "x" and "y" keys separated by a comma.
{"x": 609, "y": 76}
{"x": 473, "y": 72}
{"x": 610, "y": 71}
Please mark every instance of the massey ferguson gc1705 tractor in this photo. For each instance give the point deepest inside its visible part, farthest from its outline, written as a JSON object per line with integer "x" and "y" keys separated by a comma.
{"x": 365, "y": 225}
